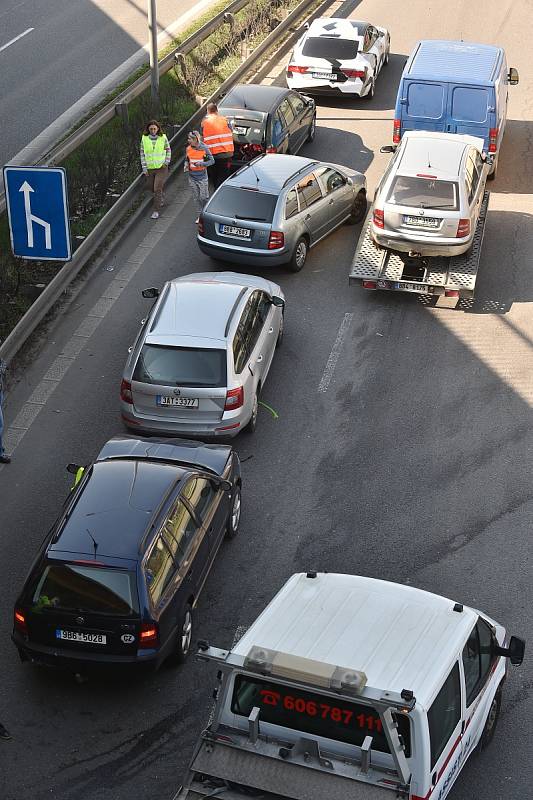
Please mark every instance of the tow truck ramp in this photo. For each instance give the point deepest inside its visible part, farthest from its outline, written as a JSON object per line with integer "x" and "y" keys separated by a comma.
{"x": 378, "y": 268}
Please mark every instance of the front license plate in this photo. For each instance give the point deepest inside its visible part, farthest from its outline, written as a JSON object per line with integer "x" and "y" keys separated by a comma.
{"x": 421, "y": 222}
{"x": 232, "y": 230}
{"x": 329, "y": 76}
{"x": 81, "y": 636}
{"x": 182, "y": 402}
{"x": 410, "y": 287}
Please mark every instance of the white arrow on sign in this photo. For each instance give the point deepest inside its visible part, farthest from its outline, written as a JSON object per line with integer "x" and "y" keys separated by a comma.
{"x": 31, "y": 218}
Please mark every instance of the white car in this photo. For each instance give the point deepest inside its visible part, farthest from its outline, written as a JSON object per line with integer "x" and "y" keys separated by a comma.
{"x": 339, "y": 56}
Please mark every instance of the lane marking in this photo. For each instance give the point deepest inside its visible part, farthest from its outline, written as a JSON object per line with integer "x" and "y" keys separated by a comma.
{"x": 5, "y": 46}
{"x": 335, "y": 353}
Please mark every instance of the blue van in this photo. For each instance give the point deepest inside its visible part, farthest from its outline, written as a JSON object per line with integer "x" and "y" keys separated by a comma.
{"x": 458, "y": 87}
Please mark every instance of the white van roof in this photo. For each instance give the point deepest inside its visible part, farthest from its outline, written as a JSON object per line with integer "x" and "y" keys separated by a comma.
{"x": 399, "y": 636}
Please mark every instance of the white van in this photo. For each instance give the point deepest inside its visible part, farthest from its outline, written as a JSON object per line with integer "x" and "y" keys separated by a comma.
{"x": 348, "y": 687}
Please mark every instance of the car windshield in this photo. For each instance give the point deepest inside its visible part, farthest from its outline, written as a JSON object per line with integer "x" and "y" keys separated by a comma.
{"x": 330, "y": 48}
{"x": 76, "y": 587}
{"x": 180, "y": 366}
{"x": 241, "y": 203}
{"x": 419, "y": 192}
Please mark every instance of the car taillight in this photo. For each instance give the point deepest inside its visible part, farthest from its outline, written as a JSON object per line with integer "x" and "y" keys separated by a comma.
{"x": 355, "y": 73}
{"x": 295, "y": 68}
{"x": 379, "y": 218}
{"x": 125, "y": 392}
{"x": 370, "y": 285}
{"x": 200, "y": 225}
{"x": 20, "y": 621}
{"x": 234, "y": 398}
{"x": 272, "y": 149}
{"x": 463, "y": 228}
{"x": 493, "y": 140}
{"x": 148, "y": 635}
{"x": 396, "y": 131}
{"x": 275, "y": 240}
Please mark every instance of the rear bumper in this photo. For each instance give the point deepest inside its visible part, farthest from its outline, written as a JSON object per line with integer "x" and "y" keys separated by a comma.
{"x": 61, "y": 658}
{"x": 351, "y": 88}
{"x": 221, "y": 428}
{"x": 402, "y": 244}
{"x": 243, "y": 255}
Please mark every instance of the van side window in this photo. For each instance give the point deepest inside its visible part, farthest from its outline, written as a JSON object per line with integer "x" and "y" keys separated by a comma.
{"x": 444, "y": 714}
{"x": 477, "y": 659}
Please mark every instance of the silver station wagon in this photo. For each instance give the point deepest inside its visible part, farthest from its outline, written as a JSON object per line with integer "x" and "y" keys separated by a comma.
{"x": 202, "y": 355}
{"x": 276, "y": 207}
{"x": 428, "y": 201}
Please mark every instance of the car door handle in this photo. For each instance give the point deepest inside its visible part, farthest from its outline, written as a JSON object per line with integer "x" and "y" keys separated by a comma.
{"x": 271, "y": 330}
{"x": 259, "y": 359}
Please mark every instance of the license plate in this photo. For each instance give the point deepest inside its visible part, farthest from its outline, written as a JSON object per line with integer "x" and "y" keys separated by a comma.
{"x": 421, "y": 222}
{"x": 421, "y": 288}
{"x": 232, "y": 230}
{"x": 182, "y": 402}
{"x": 329, "y": 76}
{"x": 81, "y": 636}
{"x": 240, "y": 130}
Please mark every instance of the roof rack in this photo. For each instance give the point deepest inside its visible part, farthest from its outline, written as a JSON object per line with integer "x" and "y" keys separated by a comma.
{"x": 294, "y": 174}
{"x": 234, "y": 308}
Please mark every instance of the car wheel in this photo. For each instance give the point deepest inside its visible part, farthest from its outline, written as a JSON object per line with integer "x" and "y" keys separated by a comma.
{"x": 312, "y": 129}
{"x": 358, "y": 212}
{"x": 252, "y": 424}
{"x": 184, "y": 637}
{"x": 370, "y": 93}
{"x": 387, "y": 56}
{"x": 492, "y": 175}
{"x": 234, "y": 518}
{"x": 491, "y": 721}
{"x": 280, "y": 331}
{"x": 299, "y": 255}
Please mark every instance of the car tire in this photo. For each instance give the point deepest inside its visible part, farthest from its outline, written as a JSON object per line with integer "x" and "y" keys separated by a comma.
{"x": 312, "y": 130}
{"x": 359, "y": 207}
{"x": 387, "y": 56}
{"x": 279, "y": 340}
{"x": 491, "y": 176}
{"x": 234, "y": 518}
{"x": 252, "y": 423}
{"x": 184, "y": 636}
{"x": 299, "y": 255}
{"x": 370, "y": 94}
{"x": 491, "y": 722}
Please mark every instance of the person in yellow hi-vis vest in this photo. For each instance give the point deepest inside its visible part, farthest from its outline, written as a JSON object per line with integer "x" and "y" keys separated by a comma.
{"x": 155, "y": 158}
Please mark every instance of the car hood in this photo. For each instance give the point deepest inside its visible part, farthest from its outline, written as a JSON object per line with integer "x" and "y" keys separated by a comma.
{"x": 212, "y": 457}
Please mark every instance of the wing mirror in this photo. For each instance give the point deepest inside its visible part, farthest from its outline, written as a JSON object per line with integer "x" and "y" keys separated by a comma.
{"x": 387, "y": 148}
{"x": 149, "y": 294}
{"x": 306, "y": 26}
{"x": 512, "y": 77}
{"x": 515, "y": 651}
{"x": 277, "y": 301}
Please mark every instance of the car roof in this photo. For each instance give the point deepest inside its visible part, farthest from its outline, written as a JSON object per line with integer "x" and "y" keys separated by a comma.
{"x": 399, "y": 636}
{"x": 434, "y": 152}
{"x": 196, "y": 311}
{"x": 269, "y": 173}
{"x": 436, "y": 59}
{"x": 337, "y": 27}
{"x": 253, "y": 97}
{"x": 116, "y": 507}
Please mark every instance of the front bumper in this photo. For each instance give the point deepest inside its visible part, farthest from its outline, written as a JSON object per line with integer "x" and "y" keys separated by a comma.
{"x": 402, "y": 244}
{"x": 243, "y": 255}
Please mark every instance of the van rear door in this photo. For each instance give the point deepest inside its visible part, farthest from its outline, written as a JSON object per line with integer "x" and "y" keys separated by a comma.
{"x": 471, "y": 110}
{"x": 423, "y": 105}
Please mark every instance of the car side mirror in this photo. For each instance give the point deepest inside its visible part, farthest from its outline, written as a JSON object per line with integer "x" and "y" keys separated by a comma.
{"x": 349, "y": 181}
{"x": 306, "y": 26}
{"x": 514, "y": 652}
{"x": 277, "y": 301}
{"x": 73, "y": 468}
{"x": 149, "y": 294}
{"x": 387, "y": 148}
{"x": 513, "y": 76}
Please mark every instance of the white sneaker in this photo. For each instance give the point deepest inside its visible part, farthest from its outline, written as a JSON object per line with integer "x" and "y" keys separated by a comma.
{"x": 155, "y": 215}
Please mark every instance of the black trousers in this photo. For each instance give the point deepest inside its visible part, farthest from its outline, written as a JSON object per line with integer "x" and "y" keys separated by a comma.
{"x": 219, "y": 171}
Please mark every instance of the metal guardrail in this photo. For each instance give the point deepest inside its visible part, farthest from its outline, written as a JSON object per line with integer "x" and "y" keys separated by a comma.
{"x": 53, "y": 291}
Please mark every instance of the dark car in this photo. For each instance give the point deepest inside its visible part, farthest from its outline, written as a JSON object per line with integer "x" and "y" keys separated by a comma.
{"x": 119, "y": 575}
{"x": 267, "y": 119}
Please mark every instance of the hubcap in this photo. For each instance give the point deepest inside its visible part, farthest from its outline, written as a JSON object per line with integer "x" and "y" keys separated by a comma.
{"x": 186, "y": 632}
{"x": 236, "y": 511}
{"x": 301, "y": 252}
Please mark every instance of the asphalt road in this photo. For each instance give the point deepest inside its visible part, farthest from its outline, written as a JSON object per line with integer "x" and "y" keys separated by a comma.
{"x": 64, "y": 50}
{"x": 414, "y": 465}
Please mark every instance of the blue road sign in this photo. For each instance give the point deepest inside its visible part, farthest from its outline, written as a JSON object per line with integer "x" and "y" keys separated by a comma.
{"x": 38, "y": 212}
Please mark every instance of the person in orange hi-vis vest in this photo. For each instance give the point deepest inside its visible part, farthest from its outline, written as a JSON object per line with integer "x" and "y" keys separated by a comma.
{"x": 197, "y": 159}
{"x": 217, "y": 135}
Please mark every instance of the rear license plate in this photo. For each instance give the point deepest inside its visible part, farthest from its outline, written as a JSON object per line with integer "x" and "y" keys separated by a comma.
{"x": 81, "y": 636}
{"x": 421, "y": 288}
{"x": 182, "y": 402}
{"x": 421, "y": 222}
{"x": 240, "y": 130}
{"x": 329, "y": 76}
{"x": 232, "y": 230}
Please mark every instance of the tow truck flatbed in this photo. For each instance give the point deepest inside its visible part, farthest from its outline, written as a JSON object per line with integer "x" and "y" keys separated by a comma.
{"x": 378, "y": 268}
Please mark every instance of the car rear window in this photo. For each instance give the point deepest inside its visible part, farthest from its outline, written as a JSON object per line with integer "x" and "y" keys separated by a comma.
{"x": 246, "y": 130}
{"x": 424, "y": 193}
{"x": 182, "y": 366}
{"x": 470, "y": 104}
{"x": 247, "y": 204}
{"x": 425, "y": 100}
{"x": 330, "y": 48}
{"x": 312, "y": 713}
{"x": 76, "y": 587}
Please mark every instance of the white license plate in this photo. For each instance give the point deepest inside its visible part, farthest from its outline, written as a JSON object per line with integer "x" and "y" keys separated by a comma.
{"x": 329, "y": 76}
{"x": 421, "y": 288}
{"x": 421, "y": 222}
{"x": 232, "y": 230}
{"x": 240, "y": 130}
{"x": 183, "y": 402}
{"x": 81, "y": 636}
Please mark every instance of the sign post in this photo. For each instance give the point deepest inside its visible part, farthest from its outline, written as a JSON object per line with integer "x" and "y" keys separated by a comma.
{"x": 37, "y": 208}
